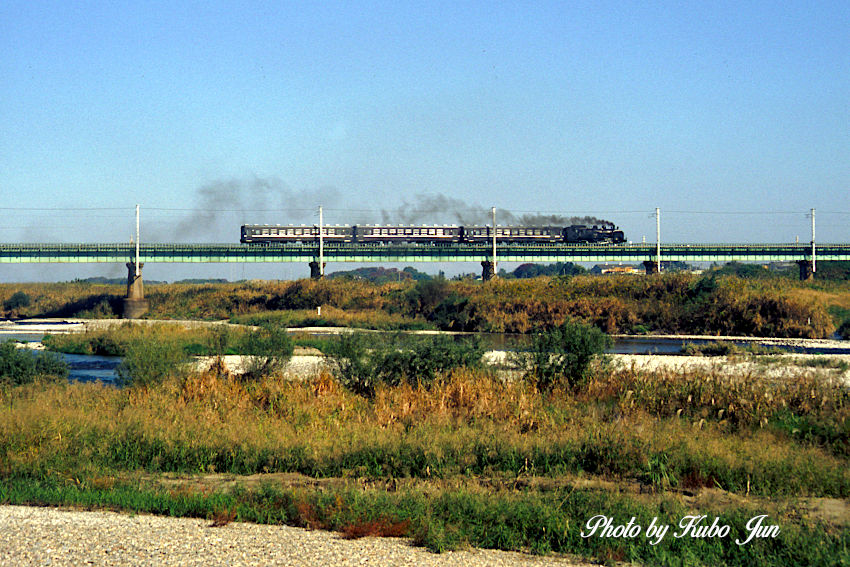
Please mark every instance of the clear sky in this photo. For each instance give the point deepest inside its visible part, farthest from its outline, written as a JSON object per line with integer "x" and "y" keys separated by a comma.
{"x": 211, "y": 114}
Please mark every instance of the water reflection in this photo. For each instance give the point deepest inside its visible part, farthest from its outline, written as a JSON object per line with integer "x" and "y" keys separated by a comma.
{"x": 91, "y": 368}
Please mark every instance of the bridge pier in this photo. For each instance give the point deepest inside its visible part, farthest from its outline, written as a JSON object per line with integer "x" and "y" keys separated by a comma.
{"x": 135, "y": 304}
{"x": 651, "y": 267}
{"x": 806, "y": 272}
{"x": 488, "y": 270}
{"x": 315, "y": 272}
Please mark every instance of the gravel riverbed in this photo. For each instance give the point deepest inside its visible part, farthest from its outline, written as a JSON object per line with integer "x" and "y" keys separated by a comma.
{"x": 50, "y": 536}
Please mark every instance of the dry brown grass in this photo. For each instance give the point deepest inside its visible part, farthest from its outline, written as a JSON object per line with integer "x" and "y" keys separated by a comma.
{"x": 382, "y": 527}
{"x": 461, "y": 396}
{"x": 465, "y": 420}
{"x": 223, "y": 517}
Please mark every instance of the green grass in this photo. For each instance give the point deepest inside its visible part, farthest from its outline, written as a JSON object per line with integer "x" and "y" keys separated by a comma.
{"x": 725, "y": 348}
{"x": 331, "y": 317}
{"x": 442, "y": 519}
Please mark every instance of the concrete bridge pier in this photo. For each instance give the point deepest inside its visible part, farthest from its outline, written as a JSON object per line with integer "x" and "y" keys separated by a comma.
{"x": 651, "y": 267}
{"x": 135, "y": 304}
{"x": 806, "y": 272}
{"x": 315, "y": 272}
{"x": 488, "y": 270}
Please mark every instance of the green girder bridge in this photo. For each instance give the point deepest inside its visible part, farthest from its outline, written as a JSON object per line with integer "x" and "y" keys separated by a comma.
{"x": 338, "y": 252}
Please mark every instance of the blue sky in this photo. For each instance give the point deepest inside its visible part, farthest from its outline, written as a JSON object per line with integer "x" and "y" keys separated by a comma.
{"x": 196, "y": 110}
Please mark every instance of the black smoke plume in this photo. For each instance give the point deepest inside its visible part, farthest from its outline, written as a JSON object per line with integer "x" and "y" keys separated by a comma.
{"x": 223, "y": 206}
{"x": 439, "y": 209}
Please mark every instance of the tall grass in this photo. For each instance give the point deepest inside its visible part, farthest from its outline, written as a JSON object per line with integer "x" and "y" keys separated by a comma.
{"x": 468, "y": 458}
{"x": 672, "y": 303}
{"x": 465, "y": 423}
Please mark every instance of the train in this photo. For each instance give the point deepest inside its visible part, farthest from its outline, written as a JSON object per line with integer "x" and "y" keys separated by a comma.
{"x": 605, "y": 233}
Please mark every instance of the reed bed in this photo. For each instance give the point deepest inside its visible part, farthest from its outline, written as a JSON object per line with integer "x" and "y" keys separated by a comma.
{"x": 785, "y": 438}
{"x": 671, "y": 303}
{"x": 470, "y": 459}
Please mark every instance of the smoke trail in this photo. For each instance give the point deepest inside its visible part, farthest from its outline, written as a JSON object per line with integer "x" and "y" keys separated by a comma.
{"x": 435, "y": 209}
{"x": 439, "y": 209}
{"x": 223, "y": 205}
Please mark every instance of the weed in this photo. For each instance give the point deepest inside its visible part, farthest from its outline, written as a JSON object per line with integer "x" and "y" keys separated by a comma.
{"x": 381, "y": 527}
{"x": 362, "y": 363}
{"x": 223, "y": 517}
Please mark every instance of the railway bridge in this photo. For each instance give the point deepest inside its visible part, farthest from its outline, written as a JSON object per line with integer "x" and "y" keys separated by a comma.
{"x": 650, "y": 254}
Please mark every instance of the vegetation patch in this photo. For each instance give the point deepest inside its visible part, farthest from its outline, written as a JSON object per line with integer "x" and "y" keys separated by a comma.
{"x": 21, "y": 366}
{"x": 449, "y": 455}
{"x": 683, "y": 303}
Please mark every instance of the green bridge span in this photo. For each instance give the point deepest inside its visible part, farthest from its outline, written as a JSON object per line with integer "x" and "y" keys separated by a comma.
{"x": 336, "y": 252}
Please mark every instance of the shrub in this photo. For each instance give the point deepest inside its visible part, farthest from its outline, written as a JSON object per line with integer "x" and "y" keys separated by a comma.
{"x": 21, "y": 366}
{"x": 844, "y": 330}
{"x": 361, "y": 363}
{"x": 426, "y": 295}
{"x": 149, "y": 361}
{"x": 454, "y": 313}
{"x": 562, "y": 354}
{"x": 421, "y": 360}
{"x": 266, "y": 351}
{"x": 352, "y": 363}
{"x": 18, "y": 299}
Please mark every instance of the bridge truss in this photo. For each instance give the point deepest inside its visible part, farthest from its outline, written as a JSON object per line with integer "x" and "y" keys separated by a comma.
{"x": 337, "y": 252}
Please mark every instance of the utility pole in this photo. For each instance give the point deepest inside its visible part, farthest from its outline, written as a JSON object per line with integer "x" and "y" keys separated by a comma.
{"x": 493, "y": 210}
{"x": 658, "y": 239}
{"x": 321, "y": 245}
{"x": 138, "y": 270}
{"x": 814, "y": 266}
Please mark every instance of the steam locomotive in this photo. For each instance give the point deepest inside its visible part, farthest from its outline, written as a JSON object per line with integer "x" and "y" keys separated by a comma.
{"x": 605, "y": 233}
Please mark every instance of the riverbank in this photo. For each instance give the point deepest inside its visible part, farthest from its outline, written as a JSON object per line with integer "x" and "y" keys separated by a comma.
{"x": 305, "y": 364}
{"x": 471, "y": 461}
{"x": 50, "y": 536}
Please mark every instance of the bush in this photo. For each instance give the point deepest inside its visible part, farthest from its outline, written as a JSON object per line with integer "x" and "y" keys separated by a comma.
{"x": 562, "y": 354}
{"x": 18, "y": 299}
{"x": 844, "y": 330}
{"x": 421, "y": 360}
{"x": 352, "y": 362}
{"x": 21, "y": 366}
{"x": 149, "y": 361}
{"x": 266, "y": 351}
{"x": 426, "y": 295}
{"x": 454, "y": 313}
{"x": 361, "y": 363}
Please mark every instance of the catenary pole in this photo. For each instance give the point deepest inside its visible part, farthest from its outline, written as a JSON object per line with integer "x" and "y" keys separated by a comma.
{"x": 138, "y": 270}
{"x": 658, "y": 239}
{"x": 814, "y": 266}
{"x": 321, "y": 245}
{"x": 493, "y": 210}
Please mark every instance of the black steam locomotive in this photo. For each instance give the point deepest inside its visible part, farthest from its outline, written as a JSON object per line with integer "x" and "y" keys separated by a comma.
{"x": 605, "y": 233}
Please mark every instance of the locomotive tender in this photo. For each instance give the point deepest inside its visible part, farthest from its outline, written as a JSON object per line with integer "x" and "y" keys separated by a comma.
{"x": 605, "y": 233}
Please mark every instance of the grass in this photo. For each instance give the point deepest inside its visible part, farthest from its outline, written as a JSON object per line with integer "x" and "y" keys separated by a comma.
{"x": 441, "y": 519}
{"x": 672, "y": 303}
{"x": 470, "y": 460}
{"x": 335, "y": 317}
{"x": 826, "y": 362}
{"x": 465, "y": 458}
{"x": 725, "y": 348}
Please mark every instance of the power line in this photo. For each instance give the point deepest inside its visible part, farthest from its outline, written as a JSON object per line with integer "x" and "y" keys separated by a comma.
{"x": 65, "y": 208}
